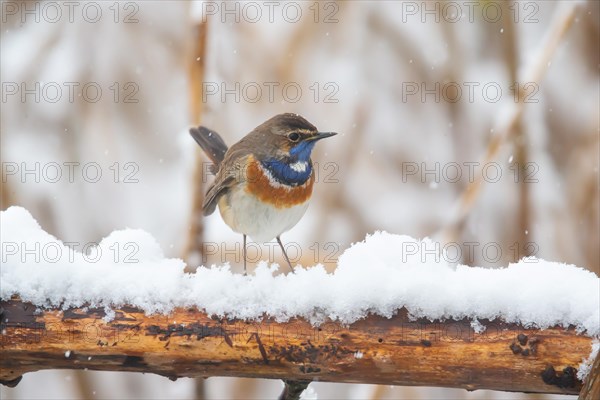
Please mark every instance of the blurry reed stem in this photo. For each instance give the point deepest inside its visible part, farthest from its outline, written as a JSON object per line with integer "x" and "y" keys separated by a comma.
{"x": 518, "y": 134}
{"x": 197, "y": 60}
{"x": 562, "y": 22}
{"x": 83, "y": 384}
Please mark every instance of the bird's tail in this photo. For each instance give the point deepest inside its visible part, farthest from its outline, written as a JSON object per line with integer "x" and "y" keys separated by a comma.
{"x": 212, "y": 144}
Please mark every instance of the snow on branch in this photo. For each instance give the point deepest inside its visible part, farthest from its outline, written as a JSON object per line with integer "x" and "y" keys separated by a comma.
{"x": 379, "y": 276}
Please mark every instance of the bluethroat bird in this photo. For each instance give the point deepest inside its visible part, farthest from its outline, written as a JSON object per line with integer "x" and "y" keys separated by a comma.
{"x": 264, "y": 182}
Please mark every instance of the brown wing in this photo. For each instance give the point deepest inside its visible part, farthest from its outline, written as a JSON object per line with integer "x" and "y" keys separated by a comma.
{"x": 214, "y": 193}
{"x": 231, "y": 172}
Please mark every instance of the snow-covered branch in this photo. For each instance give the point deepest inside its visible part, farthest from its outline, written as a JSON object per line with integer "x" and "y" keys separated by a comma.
{"x": 395, "y": 311}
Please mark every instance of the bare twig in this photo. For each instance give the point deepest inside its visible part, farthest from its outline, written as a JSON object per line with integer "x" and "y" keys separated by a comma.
{"x": 293, "y": 389}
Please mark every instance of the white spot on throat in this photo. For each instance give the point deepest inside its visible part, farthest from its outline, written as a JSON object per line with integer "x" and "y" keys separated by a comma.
{"x": 299, "y": 166}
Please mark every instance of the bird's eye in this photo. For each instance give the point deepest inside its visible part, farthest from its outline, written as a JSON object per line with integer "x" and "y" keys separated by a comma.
{"x": 294, "y": 136}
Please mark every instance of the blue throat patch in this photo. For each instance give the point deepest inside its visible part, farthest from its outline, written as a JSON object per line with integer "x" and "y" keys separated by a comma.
{"x": 282, "y": 170}
{"x": 301, "y": 151}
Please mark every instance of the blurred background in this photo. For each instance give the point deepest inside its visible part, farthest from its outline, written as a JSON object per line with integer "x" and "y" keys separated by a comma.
{"x": 474, "y": 123}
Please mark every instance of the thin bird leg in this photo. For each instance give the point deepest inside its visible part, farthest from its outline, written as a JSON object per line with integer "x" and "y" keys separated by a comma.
{"x": 244, "y": 253}
{"x": 285, "y": 254}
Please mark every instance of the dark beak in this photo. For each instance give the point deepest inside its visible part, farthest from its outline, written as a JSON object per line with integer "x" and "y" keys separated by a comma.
{"x": 321, "y": 135}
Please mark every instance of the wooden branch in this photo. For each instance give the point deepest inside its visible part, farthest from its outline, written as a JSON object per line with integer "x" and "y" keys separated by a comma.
{"x": 377, "y": 350}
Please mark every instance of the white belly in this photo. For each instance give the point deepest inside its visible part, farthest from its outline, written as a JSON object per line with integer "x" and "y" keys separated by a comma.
{"x": 245, "y": 214}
